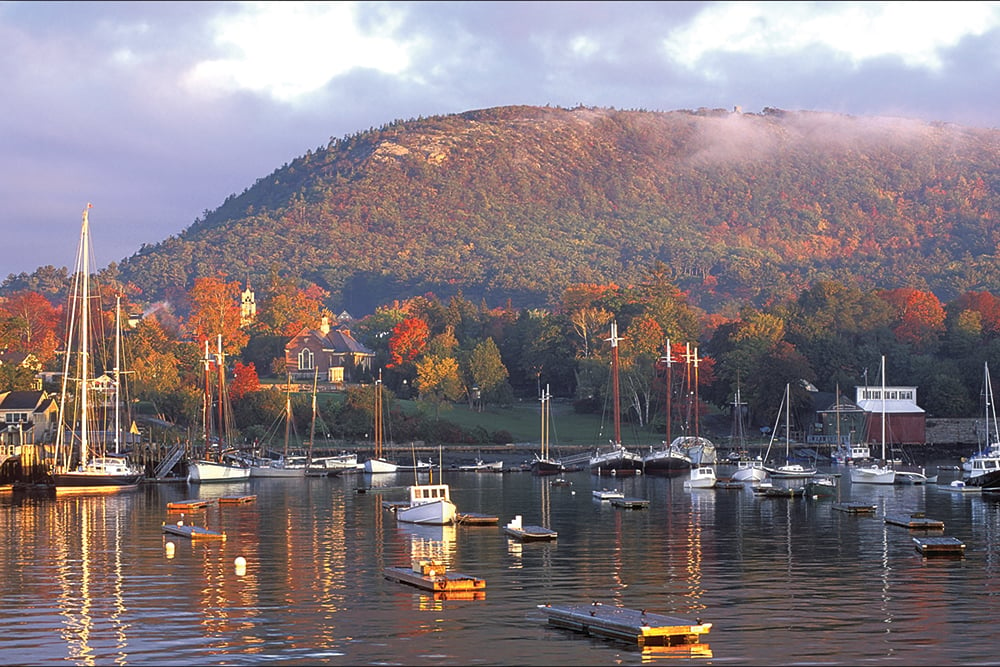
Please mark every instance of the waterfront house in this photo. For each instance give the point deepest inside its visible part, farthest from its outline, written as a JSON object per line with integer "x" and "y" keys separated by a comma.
{"x": 26, "y": 417}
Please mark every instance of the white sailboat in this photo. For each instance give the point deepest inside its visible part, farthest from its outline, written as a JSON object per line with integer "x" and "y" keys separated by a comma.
{"x": 220, "y": 461}
{"x": 788, "y": 470}
{"x": 84, "y": 461}
{"x": 378, "y": 463}
{"x": 287, "y": 465}
{"x": 983, "y": 467}
{"x": 747, "y": 469}
{"x": 876, "y": 472}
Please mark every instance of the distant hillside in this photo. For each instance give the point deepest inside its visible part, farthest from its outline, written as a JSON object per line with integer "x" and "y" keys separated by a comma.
{"x": 518, "y": 202}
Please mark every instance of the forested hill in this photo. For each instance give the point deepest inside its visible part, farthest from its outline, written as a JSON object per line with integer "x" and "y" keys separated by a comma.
{"x": 519, "y": 202}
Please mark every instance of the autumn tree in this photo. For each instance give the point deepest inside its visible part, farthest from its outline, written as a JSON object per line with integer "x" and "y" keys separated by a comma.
{"x": 919, "y": 317}
{"x": 285, "y": 309}
{"x": 487, "y": 371}
{"x": 29, "y": 323}
{"x": 215, "y": 311}
{"x": 438, "y": 381}
{"x": 245, "y": 380}
{"x": 407, "y": 341}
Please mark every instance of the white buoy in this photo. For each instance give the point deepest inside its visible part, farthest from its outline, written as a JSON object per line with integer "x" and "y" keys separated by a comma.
{"x": 170, "y": 549}
{"x": 241, "y": 565}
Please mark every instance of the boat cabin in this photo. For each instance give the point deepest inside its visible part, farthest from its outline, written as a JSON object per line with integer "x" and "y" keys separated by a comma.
{"x": 428, "y": 493}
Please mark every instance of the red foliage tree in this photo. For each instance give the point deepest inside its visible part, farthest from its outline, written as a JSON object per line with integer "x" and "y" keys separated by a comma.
{"x": 245, "y": 381}
{"x": 408, "y": 340}
{"x": 919, "y": 316}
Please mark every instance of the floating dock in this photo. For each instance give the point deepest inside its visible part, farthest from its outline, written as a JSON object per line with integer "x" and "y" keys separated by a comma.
{"x": 632, "y": 625}
{"x": 630, "y": 503}
{"x": 193, "y": 504}
{"x": 521, "y": 532}
{"x": 431, "y": 576}
{"x": 914, "y": 521}
{"x": 236, "y": 500}
{"x": 473, "y": 519}
{"x": 855, "y": 508}
{"x": 193, "y": 532}
{"x": 939, "y": 546}
{"x": 728, "y": 484}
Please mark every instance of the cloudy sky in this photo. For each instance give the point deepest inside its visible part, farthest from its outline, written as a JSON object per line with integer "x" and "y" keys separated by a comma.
{"x": 155, "y": 112}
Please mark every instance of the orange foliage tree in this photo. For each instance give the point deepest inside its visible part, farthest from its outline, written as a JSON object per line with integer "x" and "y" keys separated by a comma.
{"x": 215, "y": 311}
{"x": 245, "y": 381}
{"x": 408, "y": 340}
{"x": 919, "y": 316}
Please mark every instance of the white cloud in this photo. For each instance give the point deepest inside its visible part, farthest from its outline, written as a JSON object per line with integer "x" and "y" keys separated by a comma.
{"x": 290, "y": 49}
{"x": 915, "y": 32}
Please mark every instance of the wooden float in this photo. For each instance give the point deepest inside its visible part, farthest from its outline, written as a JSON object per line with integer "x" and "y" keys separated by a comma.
{"x": 728, "y": 484}
{"x": 632, "y": 625}
{"x": 193, "y": 504}
{"x": 431, "y": 575}
{"x": 236, "y": 500}
{"x": 939, "y": 546}
{"x": 193, "y": 532}
{"x": 915, "y": 521}
{"x": 522, "y": 532}
{"x": 630, "y": 503}
{"x": 474, "y": 519}
{"x": 855, "y": 508}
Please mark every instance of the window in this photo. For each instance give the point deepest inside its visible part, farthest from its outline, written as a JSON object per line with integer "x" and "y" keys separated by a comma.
{"x": 306, "y": 360}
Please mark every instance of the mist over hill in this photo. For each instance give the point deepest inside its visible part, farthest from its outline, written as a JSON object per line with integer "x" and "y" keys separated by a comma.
{"x": 515, "y": 203}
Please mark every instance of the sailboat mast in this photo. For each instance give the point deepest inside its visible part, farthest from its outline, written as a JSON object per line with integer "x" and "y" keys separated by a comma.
{"x": 788, "y": 412}
{"x": 614, "y": 383}
{"x": 670, "y": 382}
{"x": 288, "y": 413}
{"x": 117, "y": 370}
{"x": 545, "y": 423}
{"x": 85, "y": 337}
{"x": 883, "y": 408}
{"x": 222, "y": 395}
{"x": 378, "y": 415}
{"x": 312, "y": 425}
{"x": 697, "y": 426}
{"x": 206, "y": 407}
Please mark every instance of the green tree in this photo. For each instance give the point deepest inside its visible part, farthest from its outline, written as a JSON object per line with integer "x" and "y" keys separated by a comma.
{"x": 487, "y": 371}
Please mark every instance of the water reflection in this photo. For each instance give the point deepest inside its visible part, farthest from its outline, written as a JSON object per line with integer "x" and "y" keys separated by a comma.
{"x": 87, "y": 579}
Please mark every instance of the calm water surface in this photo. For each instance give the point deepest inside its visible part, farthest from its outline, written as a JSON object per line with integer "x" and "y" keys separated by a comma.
{"x": 87, "y": 579}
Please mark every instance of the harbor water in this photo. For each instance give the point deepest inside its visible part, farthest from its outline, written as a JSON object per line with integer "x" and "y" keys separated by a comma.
{"x": 93, "y": 579}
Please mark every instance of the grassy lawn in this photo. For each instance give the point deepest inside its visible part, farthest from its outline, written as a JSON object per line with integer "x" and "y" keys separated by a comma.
{"x": 523, "y": 422}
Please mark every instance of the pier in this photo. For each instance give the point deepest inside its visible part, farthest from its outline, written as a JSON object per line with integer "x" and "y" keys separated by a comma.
{"x": 916, "y": 521}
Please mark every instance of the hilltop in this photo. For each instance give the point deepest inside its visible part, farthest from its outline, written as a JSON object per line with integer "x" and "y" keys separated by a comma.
{"x": 515, "y": 203}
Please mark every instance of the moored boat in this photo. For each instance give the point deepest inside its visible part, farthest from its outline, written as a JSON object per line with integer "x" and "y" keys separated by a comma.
{"x": 429, "y": 504}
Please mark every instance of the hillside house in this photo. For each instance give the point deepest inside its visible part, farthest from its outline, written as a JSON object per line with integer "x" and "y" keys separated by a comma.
{"x": 337, "y": 356}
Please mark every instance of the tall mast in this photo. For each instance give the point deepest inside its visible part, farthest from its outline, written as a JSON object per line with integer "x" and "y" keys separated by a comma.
{"x": 669, "y": 361}
{"x": 312, "y": 425}
{"x": 883, "y": 408}
{"x": 117, "y": 370}
{"x": 614, "y": 383}
{"x": 85, "y": 337}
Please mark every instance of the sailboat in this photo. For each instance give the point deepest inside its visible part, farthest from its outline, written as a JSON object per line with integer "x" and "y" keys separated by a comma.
{"x": 544, "y": 464}
{"x": 982, "y": 469}
{"x": 789, "y": 470}
{"x": 220, "y": 460}
{"x": 670, "y": 458}
{"x": 287, "y": 465}
{"x": 747, "y": 469}
{"x": 616, "y": 460}
{"x": 378, "y": 463}
{"x": 83, "y": 459}
{"x": 876, "y": 472}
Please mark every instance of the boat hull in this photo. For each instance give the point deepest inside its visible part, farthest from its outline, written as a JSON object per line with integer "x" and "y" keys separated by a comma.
{"x": 211, "y": 471}
{"x": 376, "y": 466}
{"x": 749, "y": 472}
{"x": 547, "y": 467}
{"x": 277, "y": 471}
{"x": 873, "y": 475}
{"x": 666, "y": 462}
{"x": 438, "y": 513}
{"x": 618, "y": 462}
{"x": 82, "y": 481}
